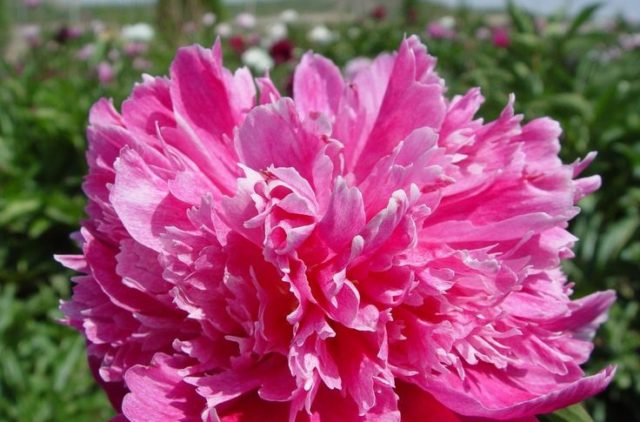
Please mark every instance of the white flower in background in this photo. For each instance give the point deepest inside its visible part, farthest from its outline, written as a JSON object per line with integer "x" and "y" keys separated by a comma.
{"x": 630, "y": 41}
{"x": 321, "y": 35}
{"x": 448, "y": 22}
{"x": 276, "y": 32}
{"x": 245, "y": 20}
{"x": 86, "y": 52}
{"x": 98, "y": 27}
{"x": 223, "y": 29}
{"x": 208, "y": 19}
{"x": 258, "y": 59}
{"x": 138, "y": 32}
{"x": 30, "y": 33}
{"x": 289, "y": 16}
{"x": 483, "y": 33}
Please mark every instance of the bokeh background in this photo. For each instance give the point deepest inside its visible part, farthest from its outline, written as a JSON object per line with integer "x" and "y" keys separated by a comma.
{"x": 579, "y": 63}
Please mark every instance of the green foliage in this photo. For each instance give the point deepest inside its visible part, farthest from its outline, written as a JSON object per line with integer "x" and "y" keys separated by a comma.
{"x": 43, "y": 371}
{"x": 5, "y": 27}
{"x": 575, "y": 413}
{"x": 567, "y": 68}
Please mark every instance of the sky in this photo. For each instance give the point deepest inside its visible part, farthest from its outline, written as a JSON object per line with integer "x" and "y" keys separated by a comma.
{"x": 629, "y": 8}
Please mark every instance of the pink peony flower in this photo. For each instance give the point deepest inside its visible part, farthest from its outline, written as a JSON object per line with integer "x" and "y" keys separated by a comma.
{"x": 365, "y": 250}
{"x": 438, "y": 31}
{"x": 135, "y": 48}
{"x": 105, "y": 73}
{"x": 500, "y": 37}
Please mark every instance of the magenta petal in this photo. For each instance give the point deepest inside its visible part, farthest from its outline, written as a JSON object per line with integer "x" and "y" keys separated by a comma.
{"x": 564, "y": 396}
{"x": 317, "y": 86}
{"x": 143, "y": 202}
{"x": 368, "y": 250}
{"x": 158, "y": 393}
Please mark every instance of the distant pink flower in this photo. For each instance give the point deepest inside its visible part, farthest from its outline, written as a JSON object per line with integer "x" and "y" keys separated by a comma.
{"x": 135, "y": 48}
{"x": 32, "y": 3}
{"x": 364, "y": 251}
{"x": 86, "y": 52}
{"x": 500, "y": 37}
{"x": 105, "y": 73}
{"x": 140, "y": 63}
{"x": 438, "y": 31}
{"x": 31, "y": 34}
{"x": 245, "y": 20}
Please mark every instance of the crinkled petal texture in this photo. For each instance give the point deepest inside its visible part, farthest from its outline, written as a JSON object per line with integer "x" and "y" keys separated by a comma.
{"x": 365, "y": 250}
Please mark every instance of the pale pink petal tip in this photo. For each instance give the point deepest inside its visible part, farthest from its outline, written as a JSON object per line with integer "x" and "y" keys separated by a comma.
{"x": 368, "y": 250}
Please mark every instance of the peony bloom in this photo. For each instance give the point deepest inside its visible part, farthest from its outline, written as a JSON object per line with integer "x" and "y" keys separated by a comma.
{"x": 86, "y": 52}
{"x": 105, "y": 73}
{"x": 364, "y": 251}
{"x": 500, "y": 37}
{"x": 282, "y": 51}
{"x": 135, "y": 48}
{"x": 237, "y": 44}
{"x": 30, "y": 34}
{"x": 32, "y": 4}
{"x": 67, "y": 33}
{"x": 442, "y": 29}
{"x": 378, "y": 13}
{"x": 258, "y": 59}
{"x": 208, "y": 19}
{"x": 320, "y": 34}
{"x": 276, "y": 32}
{"x": 223, "y": 29}
{"x": 289, "y": 16}
{"x": 245, "y": 20}
{"x": 142, "y": 32}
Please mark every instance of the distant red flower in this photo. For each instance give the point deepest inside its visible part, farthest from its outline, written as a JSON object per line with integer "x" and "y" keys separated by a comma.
{"x": 379, "y": 13}
{"x": 237, "y": 44}
{"x": 282, "y": 51}
{"x": 66, "y": 33}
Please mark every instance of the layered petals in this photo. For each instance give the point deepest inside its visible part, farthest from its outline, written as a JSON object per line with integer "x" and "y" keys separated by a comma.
{"x": 367, "y": 250}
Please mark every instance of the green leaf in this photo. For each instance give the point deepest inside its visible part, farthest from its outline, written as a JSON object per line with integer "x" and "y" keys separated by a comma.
{"x": 585, "y": 15}
{"x": 520, "y": 19}
{"x": 575, "y": 413}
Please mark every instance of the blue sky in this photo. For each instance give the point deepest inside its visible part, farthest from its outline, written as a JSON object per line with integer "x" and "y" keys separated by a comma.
{"x": 629, "y": 8}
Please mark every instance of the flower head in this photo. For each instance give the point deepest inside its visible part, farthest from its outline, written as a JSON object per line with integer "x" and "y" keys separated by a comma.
{"x": 500, "y": 37}
{"x": 208, "y": 19}
{"x": 320, "y": 34}
{"x": 142, "y": 32}
{"x": 282, "y": 51}
{"x": 257, "y": 59}
{"x": 245, "y": 20}
{"x": 289, "y": 16}
{"x": 442, "y": 29}
{"x": 105, "y": 73}
{"x": 365, "y": 250}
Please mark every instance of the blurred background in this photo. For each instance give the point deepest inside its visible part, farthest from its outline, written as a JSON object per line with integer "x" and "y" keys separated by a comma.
{"x": 578, "y": 62}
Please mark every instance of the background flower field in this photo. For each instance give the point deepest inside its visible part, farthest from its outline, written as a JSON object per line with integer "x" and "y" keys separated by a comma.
{"x": 58, "y": 61}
